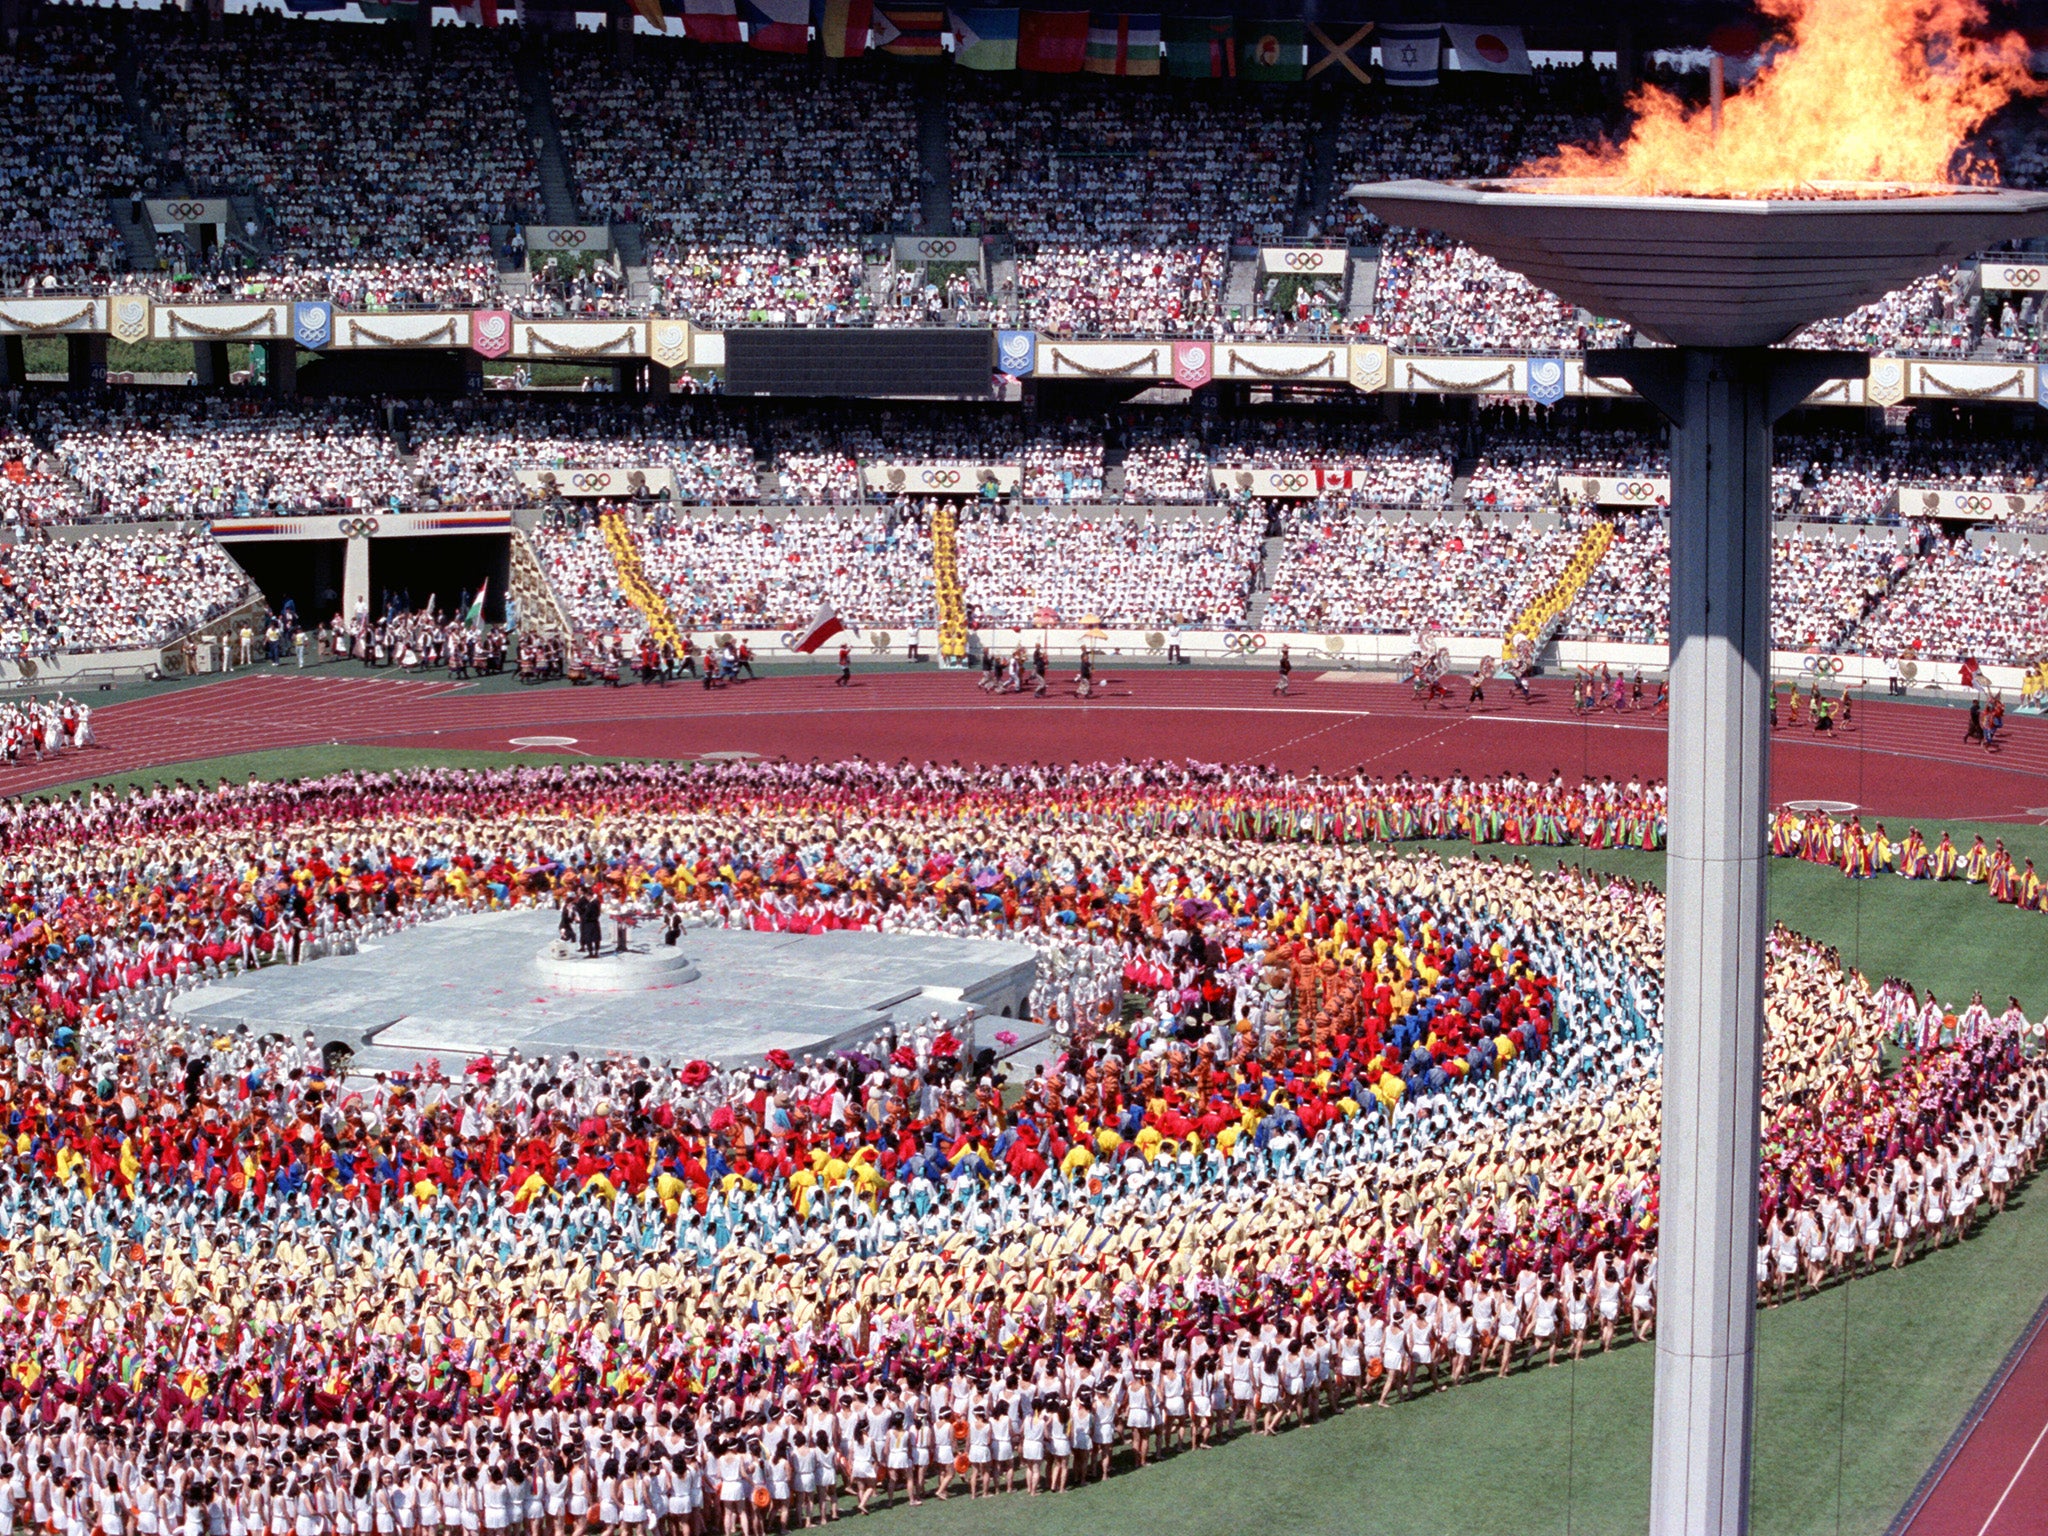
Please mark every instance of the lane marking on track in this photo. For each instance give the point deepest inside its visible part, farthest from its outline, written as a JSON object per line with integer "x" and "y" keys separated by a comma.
{"x": 2013, "y": 1483}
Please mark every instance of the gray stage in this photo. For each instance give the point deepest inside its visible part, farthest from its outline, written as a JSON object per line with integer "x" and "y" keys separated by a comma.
{"x": 484, "y": 982}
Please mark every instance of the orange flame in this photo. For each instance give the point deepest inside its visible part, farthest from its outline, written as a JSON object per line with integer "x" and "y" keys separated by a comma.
{"x": 1869, "y": 91}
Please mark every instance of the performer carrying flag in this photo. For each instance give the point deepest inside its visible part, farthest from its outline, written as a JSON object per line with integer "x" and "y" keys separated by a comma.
{"x": 823, "y": 626}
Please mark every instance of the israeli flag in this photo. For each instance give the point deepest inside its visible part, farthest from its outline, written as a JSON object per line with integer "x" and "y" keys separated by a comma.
{"x": 1546, "y": 380}
{"x": 313, "y": 325}
{"x": 1017, "y": 353}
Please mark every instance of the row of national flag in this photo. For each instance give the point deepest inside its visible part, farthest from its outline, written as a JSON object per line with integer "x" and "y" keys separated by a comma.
{"x": 1057, "y": 42}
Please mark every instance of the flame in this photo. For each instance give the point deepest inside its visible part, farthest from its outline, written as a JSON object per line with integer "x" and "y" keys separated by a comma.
{"x": 1868, "y": 91}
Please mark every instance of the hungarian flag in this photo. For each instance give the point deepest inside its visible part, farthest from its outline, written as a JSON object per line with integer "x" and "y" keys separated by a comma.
{"x": 1120, "y": 43}
{"x": 711, "y": 21}
{"x": 477, "y": 13}
{"x": 475, "y": 612}
{"x": 1052, "y": 42}
{"x": 823, "y": 626}
{"x": 843, "y": 27}
{"x": 778, "y": 26}
{"x": 910, "y": 32}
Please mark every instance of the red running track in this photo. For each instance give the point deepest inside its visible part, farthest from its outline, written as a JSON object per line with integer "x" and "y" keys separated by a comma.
{"x": 1993, "y": 1478}
{"x": 1896, "y": 759}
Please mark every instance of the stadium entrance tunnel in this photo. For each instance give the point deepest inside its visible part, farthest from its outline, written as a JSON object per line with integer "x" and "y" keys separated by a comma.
{"x": 405, "y": 573}
{"x": 307, "y": 573}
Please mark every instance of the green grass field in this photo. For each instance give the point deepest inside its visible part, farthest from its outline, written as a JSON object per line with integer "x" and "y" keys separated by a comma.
{"x": 1858, "y": 1389}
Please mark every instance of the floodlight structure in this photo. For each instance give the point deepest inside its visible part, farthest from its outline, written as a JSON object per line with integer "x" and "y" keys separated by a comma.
{"x": 1720, "y": 280}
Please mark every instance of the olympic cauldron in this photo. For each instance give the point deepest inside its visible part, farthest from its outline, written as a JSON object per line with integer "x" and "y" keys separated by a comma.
{"x": 1719, "y": 279}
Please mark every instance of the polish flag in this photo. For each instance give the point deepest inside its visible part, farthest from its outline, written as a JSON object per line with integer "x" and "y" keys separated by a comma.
{"x": 823, "y": 626}
{"x": 477, "y": 13}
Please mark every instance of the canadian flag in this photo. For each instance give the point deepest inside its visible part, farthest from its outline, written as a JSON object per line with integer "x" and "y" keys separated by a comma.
{"x": 477, "y": 13}
{"x": 823, "y": 626}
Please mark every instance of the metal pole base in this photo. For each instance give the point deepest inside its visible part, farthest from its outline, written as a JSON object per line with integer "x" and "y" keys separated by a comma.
{"x": 1721, "y": 404}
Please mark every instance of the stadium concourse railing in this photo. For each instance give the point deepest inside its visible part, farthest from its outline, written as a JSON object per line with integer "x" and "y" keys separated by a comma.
{"x": 679, "y": 345}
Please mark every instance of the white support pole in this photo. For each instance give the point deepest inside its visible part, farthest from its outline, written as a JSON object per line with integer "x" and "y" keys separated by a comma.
{"x": 1721, "y": 403}
{"x": 1714, "y": 931}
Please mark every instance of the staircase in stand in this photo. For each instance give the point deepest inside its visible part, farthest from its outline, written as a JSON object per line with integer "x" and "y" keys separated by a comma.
{"x": 138, "y": 239}
{"x": 540, "y": 610}
{"x": 633, "y": 580}
{"x": 1536, "y": 623}
{"x": 935, "y": 155}
{"x": 946, "y": 589}
{"x": 551, "y": 162}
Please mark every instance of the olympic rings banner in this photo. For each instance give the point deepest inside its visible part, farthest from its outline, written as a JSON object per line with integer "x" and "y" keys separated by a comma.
{"x": 589, "y": 484}
{"x": 912, "y": 249}
{"x": 1617, "y": 490}
{"x": 940, "y": 479}
{"x": 1972, "y": 506}
{"x": 2013, "y": 276}
{"x": 1269, "y": 482}
{"x": 177, "y": 212}
{"x": 1319, "y": 261}
{"x": 544, "y": 240}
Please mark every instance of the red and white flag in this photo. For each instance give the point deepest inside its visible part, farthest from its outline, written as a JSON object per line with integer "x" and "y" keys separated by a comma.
{"x": 823, "y": 626}
{"x": 477, "y": 13}
{"x": 711, "y": 21}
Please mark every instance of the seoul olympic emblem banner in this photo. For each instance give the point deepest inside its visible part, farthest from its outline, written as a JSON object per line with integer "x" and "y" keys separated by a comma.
{"x": 313, "y": 324}
{"x": 1546, "y": 380}
{"x": 1194, "y": 363}
{"x": 668, "y": 342}
{"x": 128, "y": 318}
{"x": 1370, "y": 363}
{"x": 490, "y": 332}
{"x": 1886, "y": 382}
{"x": 1017, "y": 353}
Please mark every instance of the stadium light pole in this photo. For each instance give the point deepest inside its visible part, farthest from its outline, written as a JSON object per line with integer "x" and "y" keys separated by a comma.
{"x": 1719, "y": 280}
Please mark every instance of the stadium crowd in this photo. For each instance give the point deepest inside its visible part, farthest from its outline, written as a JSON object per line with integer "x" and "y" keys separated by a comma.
{"x": 66, "y": 147}
{"x": 379, "y": 172}
{"x": 1394, "y": 573}
{"x": 1032, "y": 567}
{"x": 92, "y": 594}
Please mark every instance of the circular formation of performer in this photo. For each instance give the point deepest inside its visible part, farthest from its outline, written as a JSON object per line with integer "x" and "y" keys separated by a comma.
{"x": 1314, "y": 1123}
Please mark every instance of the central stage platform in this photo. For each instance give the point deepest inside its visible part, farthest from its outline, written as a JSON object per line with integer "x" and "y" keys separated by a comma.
{"x": 490, "y": 982}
